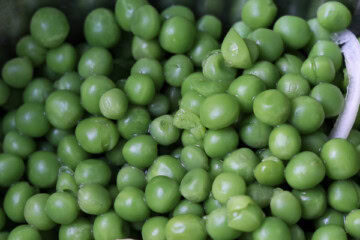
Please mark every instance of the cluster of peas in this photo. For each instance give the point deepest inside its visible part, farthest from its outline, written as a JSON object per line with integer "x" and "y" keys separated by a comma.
{"x": 196, "y": 139}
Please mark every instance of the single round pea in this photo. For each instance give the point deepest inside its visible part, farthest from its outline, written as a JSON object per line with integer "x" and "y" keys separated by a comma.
{"x": 92, "y": 171}
{"x": 330, "y": 97}
{"x": 124, "y": 11}
{"x": 18, "y": 144}
{"x": 272, "y": 228}
{"x": 185, "y": 227}
{"x": 12, "y": 169}
{"x": 69, "y": 81}
{"x": 81, "y": 228}
{"x": 166, "y": 166}
{"x": 42, "y": 169}
{"x": 330, "y": 232}
{"x": 8, "y": 122}
{"x": 62, "y": 59}
{"x": 37, "y": 90}
{"x": 340, "y": 158}
{"x": 113, "y": 104}
{"x": 194, "y": 157}
{"x": 272, "y": 107}
{"x": 15, "y": 200}
{"x": 176, "y": 69}
{"x": 330, "y": 49}
{"x": 266, "y": 71}
{"x": 196, "y": 185}
{"x": 177, "y": 35}
{"x": 17, "y": 72}
{"x": 217, "y": 225}
{"x": 136, "y": 121}
{"x": 297, "y": 233}
{"x": 285, "y": 206}
{"x": 130, "y": 176}
{"x": 289, "y": 63}
{"x": 154, "y": 228}
{"x": 209, "y": 24}
{"x": 130, "y": 205}
{"x": 294, "y": 31}
{"x": 163, "y": 130}
{"x": 352, "y": 223}
{"x": 114, "y": 157}
{"x": 62, "y": 208}
{"x": 284, "y": 141}
{"x": 178, "y": 11}
{"x": 150, "y": 67}
{"x": 270, "y": 171}
{"x": 313, "y": 202}
{"x": 94, "y": 199}
{"x": 318, "y": 69}
{"x": 162, "y": 194}
{"x": 330, "y": 217}
{"x": 227, "y": 185}
{"x": 70, "y": 153}
{"x": 55, "y": 135}
{"x": 141, "y": 48}
{"x": 23, "y": 232}
{"x": 217, "y": 143}
{"x": 334, "y": 16}
{"x": 66, "y": 181}
{"x": 35, "y": 214}
{"x": 95, "y": 61}
{"x": 259, "y": 13}
{"x": 343, "y": 195}
{"x": 160, "y": 105}
{"x": 109, "y": 226}
{"x": 203, "y": 45}
{"x": 318, "y": 33}
{"x": 293, "y": 85}
{"x": 264, "y": 153}
{"x": 261, "y": 194}
{"x": 140, "y": 151}
{"x": 145, "y": 22}
{"x": 211, "y": 204}
{"x": 188, "y": 207}
{"x": 254, "y": 133}
{"x": 242, "y": 162}
{"x": 27, "y": 46}
{"x": 140, "y": 89}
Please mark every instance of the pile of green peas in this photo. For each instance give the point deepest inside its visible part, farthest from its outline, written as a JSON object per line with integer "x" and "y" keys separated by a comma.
{"x": 162, "y": 126}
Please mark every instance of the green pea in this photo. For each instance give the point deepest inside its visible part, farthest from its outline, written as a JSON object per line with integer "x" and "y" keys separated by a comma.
{"x": 354, "y": 137}
{"x": 69, "y": 81}
{"x": 92, "y": 171}
{"x": 285, "y": 206}
{"x": 140, "y": 89}
{"x": 203, "y": 45}
{"x": 214, "y": 142}
{"x": 94, "y": 199}
{"x": 18, "y": 144}
{"x": 264, "y": 153}
{"x": 66, "y": 181}
{"x": 130, "y": 205}
{"x": 70, "y": 153}
{"x": 177, "y": 35}
{"x": 330, "y": 217}
{"x": 330, "y": 232}
{"x": 334, "y": 16}
{"x": 284, "y": 141}
{"x": 140, "y": 151}
{"x": 17, "y": 72}
{"x": 4, "y": 93}
{"x": 294, "y": 31}
{"x": 114, "y": 157}
{"x": 187, "y": 207}
{"x": 195, "y": 185}
{"x": 160, "y": 105}
{"x": 261, "y": 194}
{"x": 194, "y": 157}
{"x": 266, "y": 71}
{"x": 141, "y": 48}
{"x": 242, "y": 29}
{"x": 80, "y": 229}
{"x": 23, "y": 232}
{"x": 163, "y": 131}
{"x": 37, "y": 90}
{"x": 176, "y": 69}
{"x": 35, "y": 214}
{"x": 55, "y": 135}
{"x": 62, "y": 58}
{"x": 352, "y": 223}
{"x": 154, "y": 228}
{"x": 178, "y": 11}
{"x": 293, "y": 85}
{"x": 272, "y": 228}
{"x": 340, "y": 158}
{"x": 217, "y": 225}
{"x": 254, "y": 133}
{"x": 189, "y": 139}
{"x": 343, "y": 195}
{"x": 209, "y": 24}
{"x": 227, "y": 185}
{"x": 318, "y": 69}
{"x": 211, "y": 204}
{"x": 185, "y": 227}
{"x": 313, "y": 142}
{"x": 330, "y": 97}
{"x": 215, "y": 168}
{"x": 192, "y": 101}
{"x": 95, "y": 61}
{"x": 109, "y": 226}
{"x": 4, "y": 235}
{"x": 136, "y": 121}
{"x": 313, "y": 202}
{"x": 145, "y": 22}
{"x": 259, "y": 13}
{"x": 103, "y": 137}
{"x": 130, "y": 176}
{"x": 150, "y": 67}
{"x": 329, "y": 49}
{"x": 113, "y": 104}
{"x": 62, "y": 208}
{"x": 270, "y": 171}
{"x": 124, "y": 12}
{"x": 91, "y": 91}
{"x": 297, "y": 233}
{"x": 166, "y": 166}
{"x": 318, "y": 32}
{"x": 27, "y": 46}
{"x": 12, "y": 169}
{"x": 289, "y": 63}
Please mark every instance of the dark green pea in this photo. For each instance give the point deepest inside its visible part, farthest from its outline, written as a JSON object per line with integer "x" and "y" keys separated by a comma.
{"x": 259, "y": 13}
{"x": 340, "y": 158}
{"x": 176, "y": 69}
{"x": 330, "y": 217}
{"x": 145, "y": 22}
{"x": 8, "y": 122}
{"x": 188, "y": 207}
{"x": 176, "y": 153}
{"x": 352, "y": 223}
{"x": 92, "y": 171}
{"x": 163, "y": 131}
{"x": 135, "y": 122}
{"x": 140, "y": 89}
{"x": 330, "y": 97}
{"x": 130, "y": 205}
{"x": 103, "y": 137}
{"x": 124, "y": 11}
{"x": 114, "y": 157}
{"x": 289, "y": 63}
{"x": 91, "y": 91}
{"x": 140, "y": 151}
{"x": 141, "y": 48}
{"x": 113, "y": 104}
{"x": 160, "y": 105}
{"x": 55, "y": 135}
{"x": 162, "y": 194}
{"x": 18, "y": 144}
{"x": 330, "y": 232}
{"x": 27, "y": 46}
{"x": 185, "y": 227}
{"x": 12, "y": 169}
{"x": 264, "y": 153}
{"x": 294, "y": 31}
{"x": 343, "y": 195}
{"x": 23, "y": 232}
{"x": 177, "y": 35}
{"x": 31, "y": 120}
{"x": 270, "y": 171}
{"x": 94, "y": 199}
{"x": 217, "y": 225}
{"x": 209, "y": 24}
{"x": 318, "y": 69}
{"x": 215, "y": 168}
{"x": 17, "y": 72}
{"x": 37, "y": 90}
{"x": 293, "y": 85}
{"x": 150, "y": 67}
{"x": 109, "y": 226}
{"x": 203, "y": 45}
{"x": 80, "y": 229}
{"x": 69, "y": 81}
{"x": 284, "y": 141}
{"x": 313, "y": 202}
{"x": 334, "y": 16}
{"x": 35, "y": 214}
{"x": 261, "y": 194}
{"x": 329, "y": 49}
{"x": 297, "y": 233}
{"x": 154, "y": 228}
{"x": 217, "y": 143}
{"x": 272, "y": 228}
{"x": 66, "y": 181}
{"x": 266, "y": 71}
{"x": 313, "y": 142}
{"x": 188, "y": 139}
{"x": 196, "y": 185}
{"x": 194, "y": 157}
{"x": 227, "y": 185}
{"x": 101, "y": 28}
{"x": 49, "y": 26}
{"x": 95, "y": 61}
{"x": 211, "y": 204}
{"x": 62, "y": 208}
{"x": 166, "y": 166}
{"x": 70, "y": 153}
{"x": 354, "y": 137}
{"x": 254, "y": 133}
{"x": 62, "y": 59}
{"x": 14, "y": 100}
{"x": 113, "y": 191}
{"x": 318, "y": 33}
{"x": 178, "y": 11}
{"x": 285, "y": 206}
{"x": 242, "y": 29}
{"x": 42, "y": 169}
{"x": 130, "y": 176}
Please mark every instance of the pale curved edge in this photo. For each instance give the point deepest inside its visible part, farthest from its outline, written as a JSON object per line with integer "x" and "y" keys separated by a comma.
{"x": 351, "y": 50}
